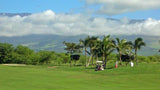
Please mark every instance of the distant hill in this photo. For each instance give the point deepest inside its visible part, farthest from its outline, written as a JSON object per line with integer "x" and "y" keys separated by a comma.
{"x": 14, "y": 14}
{"x": 54, "y": 42}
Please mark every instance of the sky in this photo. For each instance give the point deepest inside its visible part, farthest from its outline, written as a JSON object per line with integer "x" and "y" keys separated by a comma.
{"x": 75, "y": 17}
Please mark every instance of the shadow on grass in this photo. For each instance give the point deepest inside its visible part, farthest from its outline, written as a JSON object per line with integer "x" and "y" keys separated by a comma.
{"x": 111, "y": 67}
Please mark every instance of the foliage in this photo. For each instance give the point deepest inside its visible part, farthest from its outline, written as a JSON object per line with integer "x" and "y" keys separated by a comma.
{"x": 94, "y": 49}
{"x": 24, "y": 55}
{"x": 107, "y": 47}
{"x": 5, "y": 52}
{"x": 121, "y": 47}
{"x": 138, "y": 43}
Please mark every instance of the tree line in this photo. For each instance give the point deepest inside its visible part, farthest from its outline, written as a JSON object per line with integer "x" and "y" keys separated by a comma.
{"x": 95, "y": 47}
{"x": 24, "y": 55}
{"x": 90, "y": 49}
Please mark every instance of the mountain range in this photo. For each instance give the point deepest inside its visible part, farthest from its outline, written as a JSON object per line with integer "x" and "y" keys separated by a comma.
{"x": 55, "y": 42}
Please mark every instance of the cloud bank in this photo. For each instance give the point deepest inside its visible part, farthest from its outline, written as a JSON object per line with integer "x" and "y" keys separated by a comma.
{"x": 75, "y": 24}
{"x": 112, "y": 7}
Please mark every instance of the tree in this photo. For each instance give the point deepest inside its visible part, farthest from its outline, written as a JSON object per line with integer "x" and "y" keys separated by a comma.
{"x": 45, "y": 57}
{"x": 138, "y": 43}
{"x": 97, "y": 49}
{"x": 159, "y": 43}
{"x": 84, "y": 44}
{"x": 72, "y": 48}
{"x": 5, "y": 52}
{"x": 130, "y": 47}
{"x": 107, "y": 47}
{"x": 25, "y": 53}
{"x": 92, "y": 44}
{"x": 121, "y": 46}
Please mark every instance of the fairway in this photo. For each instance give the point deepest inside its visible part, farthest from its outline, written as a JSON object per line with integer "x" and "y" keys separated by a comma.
{"x": 144, "y": 76}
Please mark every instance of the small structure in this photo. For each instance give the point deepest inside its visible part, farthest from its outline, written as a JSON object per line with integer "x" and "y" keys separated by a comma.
{"x": 127, "y": 58}
{"x": 75, "y": 57}
{"x": 99, "y": 66}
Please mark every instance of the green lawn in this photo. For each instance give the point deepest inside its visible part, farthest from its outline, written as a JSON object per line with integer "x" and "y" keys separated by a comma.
{"x": 144, "y": 76}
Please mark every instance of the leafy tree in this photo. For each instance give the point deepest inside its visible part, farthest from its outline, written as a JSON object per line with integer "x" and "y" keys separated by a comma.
{"x": 23, "y": 50}
{"x": 5, "y": 52}
{"x": 138, "y": 43}
{"x": 25, "y": 53}
{"x": 45, "y": 57}
{"x": 64, "y": 57}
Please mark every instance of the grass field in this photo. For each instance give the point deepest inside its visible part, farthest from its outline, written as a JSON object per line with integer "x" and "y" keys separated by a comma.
{"x": 142, "y": 77}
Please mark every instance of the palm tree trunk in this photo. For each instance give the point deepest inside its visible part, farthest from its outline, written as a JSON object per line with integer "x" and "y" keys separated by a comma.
{"x": 92, "y": 60}
{"x": 136, "y": 56}
{"x": 90, "y": 57}
{"x": 103, "y": 57}
{"x": 71, "y": 63}
{"x": 96, "y": 57}
{"x": 120, "y": 57}
{"x": 105, "y": 64}
{"x": 86, "y": 56}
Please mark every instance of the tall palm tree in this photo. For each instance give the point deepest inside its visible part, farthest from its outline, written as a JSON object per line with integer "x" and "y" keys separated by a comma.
{"x": 159, "y": 43}
{"x": 121, "y": 46}
{"x": 107, "y": 47}
{"x": 138, "y": 43}
{"x": 84, "y": 44}
{"x": 92, "y": 44}
{"x": 97, "y": 49}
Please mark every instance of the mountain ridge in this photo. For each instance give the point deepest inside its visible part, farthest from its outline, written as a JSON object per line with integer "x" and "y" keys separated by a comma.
{"x": 55, "y": 42}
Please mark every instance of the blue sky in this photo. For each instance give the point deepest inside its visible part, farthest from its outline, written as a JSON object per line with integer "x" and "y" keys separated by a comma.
{"x": 34, "y": 6}
{"x": 68, "y": 6}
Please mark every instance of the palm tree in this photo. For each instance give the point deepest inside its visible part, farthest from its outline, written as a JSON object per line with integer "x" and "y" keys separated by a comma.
{"x": 121, "y": 46}
{"x": 84, "y": 44}
{"x": 159, "y": 43}
{"x": 138, "y": 43}
{"x": 107, "y": 47}
{"x": 72, "y": 48}
{"x": 97, "y": 49}
{"x": 92, "y": 44}
{"x": 130, "y": 47}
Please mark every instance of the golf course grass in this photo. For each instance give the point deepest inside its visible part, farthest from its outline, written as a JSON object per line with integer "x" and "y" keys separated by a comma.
{"x": 141, "y": 77}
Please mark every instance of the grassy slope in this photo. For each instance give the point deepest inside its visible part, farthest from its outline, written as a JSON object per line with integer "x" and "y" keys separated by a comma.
{"x": 145, "y": 76}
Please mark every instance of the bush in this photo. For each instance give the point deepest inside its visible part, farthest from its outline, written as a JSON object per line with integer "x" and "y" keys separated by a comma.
{"x": 143, "y": 59}
{"x": 154, "y": 58}
{"x": 82, "y": 60}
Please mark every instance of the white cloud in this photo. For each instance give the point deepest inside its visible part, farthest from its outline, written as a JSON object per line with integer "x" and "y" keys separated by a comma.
{"x": 112, "y": 7}
{"x": 74, "y": 24}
